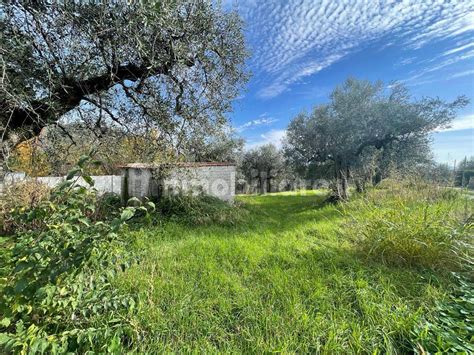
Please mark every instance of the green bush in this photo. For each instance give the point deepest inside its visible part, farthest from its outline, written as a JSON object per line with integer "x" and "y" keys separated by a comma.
{"x": 62, "y": 266}
{"x": 415, "y": 226}
{"x": 200, "y": 209}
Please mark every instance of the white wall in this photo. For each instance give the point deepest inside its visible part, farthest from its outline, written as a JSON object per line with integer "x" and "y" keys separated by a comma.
{"x": 218, "y": 181}
{"x": 102, "y": 183}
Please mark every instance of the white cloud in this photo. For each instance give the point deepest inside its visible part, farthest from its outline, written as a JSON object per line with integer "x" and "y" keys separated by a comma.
{"x": 461, "y": 74}
{"x": 414, "y": 79}
{"x": 257, "y": 122}
{"x": 294, "y": 39}
{"x": 274, "y": 136}
{"x": 285, "y": 79}
{"x": 458, "y": 49}
{"x": 406, "y": 61}
{"x": 461, "y": 123}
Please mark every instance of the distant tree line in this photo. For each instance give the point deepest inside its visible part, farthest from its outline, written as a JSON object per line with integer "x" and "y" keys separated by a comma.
{"x": 464, "y": 172}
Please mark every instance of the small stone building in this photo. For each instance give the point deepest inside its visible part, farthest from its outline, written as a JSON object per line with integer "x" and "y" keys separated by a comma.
{"x": 155, "y": 180}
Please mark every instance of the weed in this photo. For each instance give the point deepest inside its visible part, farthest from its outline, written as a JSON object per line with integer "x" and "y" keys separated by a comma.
{"x": 286, "y": 281}
{"x": 60, "y": 271}
{"x": 20, "y": 196}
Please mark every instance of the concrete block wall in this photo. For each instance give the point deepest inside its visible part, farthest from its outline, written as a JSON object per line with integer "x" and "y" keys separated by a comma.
{"x": 137, "y": 183}
{"x": 214, "y": 180}
{"x": 218, "y": 181}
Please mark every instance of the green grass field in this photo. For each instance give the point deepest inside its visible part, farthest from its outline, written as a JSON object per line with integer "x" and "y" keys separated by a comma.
{"x": 288, "y": 279}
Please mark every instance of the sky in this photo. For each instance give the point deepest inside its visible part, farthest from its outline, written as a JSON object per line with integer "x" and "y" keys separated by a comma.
{"x": 300, "y": 50}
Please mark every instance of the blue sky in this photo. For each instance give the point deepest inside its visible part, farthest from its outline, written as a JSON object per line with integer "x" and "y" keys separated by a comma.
{"x": 302, "y": 49}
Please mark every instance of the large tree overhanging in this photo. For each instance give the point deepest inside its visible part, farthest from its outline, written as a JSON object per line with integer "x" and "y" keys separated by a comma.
{"x": 170, "y": 64}
{"x": 363, "y": 115}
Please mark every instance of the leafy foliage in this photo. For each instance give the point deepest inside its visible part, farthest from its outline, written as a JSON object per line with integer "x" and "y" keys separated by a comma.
{"x": 264, "y": 167}
{"x": 18, "y": 197}
{"x": 62, "y": 264}
{"x": 161, "y": 69}
{"x": 452, "y": 328}
{"x": 29, "y": 158}
{"x": 362, "y": 119}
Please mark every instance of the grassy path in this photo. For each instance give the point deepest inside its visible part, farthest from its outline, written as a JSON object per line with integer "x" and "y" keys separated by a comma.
{"x": 286, "y": 280}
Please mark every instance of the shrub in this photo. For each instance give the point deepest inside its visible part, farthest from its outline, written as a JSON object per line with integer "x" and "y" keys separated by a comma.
{"x": 61, "y": 270}
{"x": 200, "y": 209}
{"x": 413, "y": 226}
{"x": 108, "y": 206}
{"x": 20, "y": 196}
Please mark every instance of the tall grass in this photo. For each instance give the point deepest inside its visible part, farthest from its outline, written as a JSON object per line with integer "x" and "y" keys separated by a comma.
{"x": 289, "y": 273}
{"x": 287, "y": 280}
{"x": 200, "y": 209}
{"x": 416, "y": 225}
{"x": 450, "y": 328}
{"x": 413, "y": 224}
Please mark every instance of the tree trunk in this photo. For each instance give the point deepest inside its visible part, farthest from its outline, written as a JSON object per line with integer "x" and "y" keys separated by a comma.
{"x": 263, "y": 183}
{"x": 340, "y": 188}
{"x": 360, "y": 185}
{"x": 377, "y": 178}
{"x": 269, "y": 182}
{"x": 345, "y": 185}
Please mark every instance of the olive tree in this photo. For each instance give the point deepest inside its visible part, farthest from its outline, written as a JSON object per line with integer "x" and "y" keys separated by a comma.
{"x": 224, "y": 146}
{"x": 399, "y": 158}
{"x": 156, "y": 68}
{"x": 363, "y": 116}
{"x": 263, "y": 164}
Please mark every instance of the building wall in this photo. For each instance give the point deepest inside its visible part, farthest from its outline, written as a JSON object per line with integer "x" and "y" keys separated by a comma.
{"x": 218, "y": 181}
{"x": 102, "y": 183}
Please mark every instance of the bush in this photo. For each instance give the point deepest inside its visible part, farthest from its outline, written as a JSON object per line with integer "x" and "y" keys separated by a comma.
{"x": 413, "y": 225}
{"x": 62, "y": 266}
{"x": 20, "y": 196}
{"x": 200, "y": 209}
{"x": 108, "y": 206}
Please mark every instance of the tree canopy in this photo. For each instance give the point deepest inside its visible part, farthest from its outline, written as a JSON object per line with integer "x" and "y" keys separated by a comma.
{"x": 363, "y": 116}
{"x": 171, "y": 67}
{"x": 264, "y": 164}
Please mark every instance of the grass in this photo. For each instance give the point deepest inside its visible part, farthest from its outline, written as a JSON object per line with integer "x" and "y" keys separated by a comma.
{"x": 288, "y": 279}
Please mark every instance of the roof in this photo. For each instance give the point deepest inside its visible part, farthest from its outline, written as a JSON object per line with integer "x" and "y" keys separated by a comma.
{"x": 183, "y": 164}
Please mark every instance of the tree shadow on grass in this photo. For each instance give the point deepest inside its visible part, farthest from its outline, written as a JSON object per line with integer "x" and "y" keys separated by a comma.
{"x": 285, "y": 213}
{"x": 260, "y": 214}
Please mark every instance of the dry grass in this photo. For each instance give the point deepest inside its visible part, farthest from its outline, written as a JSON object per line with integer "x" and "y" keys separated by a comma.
{"x": 20, "y": 196}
